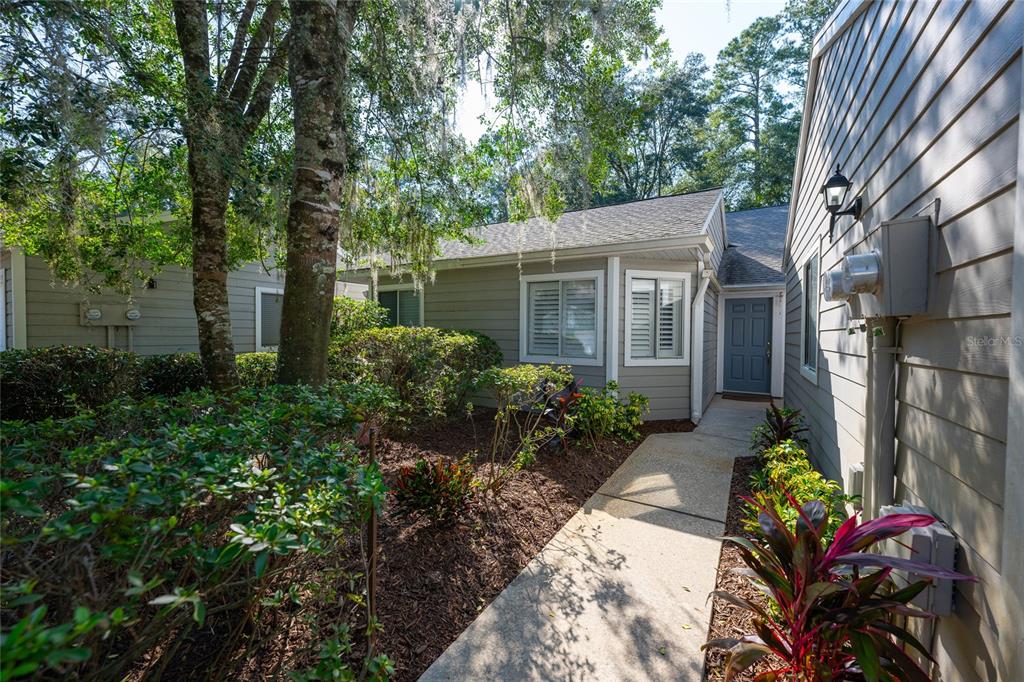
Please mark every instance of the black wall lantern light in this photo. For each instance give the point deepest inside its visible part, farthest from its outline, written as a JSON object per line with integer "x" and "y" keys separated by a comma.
{"x": 835, "y": 191}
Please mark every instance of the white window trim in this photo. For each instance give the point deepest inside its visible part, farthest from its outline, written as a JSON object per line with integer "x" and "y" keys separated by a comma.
{"x": 3, "y": 308}
{"x": 599, "y": 305}
{"x": 686, "y": 278}
{"x": 260, "y": 348}
{"x": 806, "y": 371}
{"x": 403, "y": 287}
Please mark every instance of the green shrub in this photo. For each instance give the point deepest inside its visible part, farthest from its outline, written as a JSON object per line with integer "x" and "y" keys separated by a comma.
{"x": 126, "y": 525}
{"x": 351, "y": 315}
{"x": 600, "y": 414}
{"x": 257, "y": 370}
{"x": 441, "y": 489}
{"x": 431, "y": 370}
{"x": 55, "y": 381}
{"x": 170, "y": 374}
{"x": 787, "y": 471}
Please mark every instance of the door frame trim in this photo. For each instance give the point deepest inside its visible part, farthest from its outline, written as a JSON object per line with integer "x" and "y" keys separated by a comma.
{"x": 776, "y": 292}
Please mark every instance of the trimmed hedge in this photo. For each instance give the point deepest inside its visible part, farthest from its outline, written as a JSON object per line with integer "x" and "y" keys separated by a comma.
{"x": 350, "y": 316}
{"x": 169, "y": 375}
{"x": 58, "y": 381}
{"x": 257, "y": 370}
{"x": 431, "y": 370}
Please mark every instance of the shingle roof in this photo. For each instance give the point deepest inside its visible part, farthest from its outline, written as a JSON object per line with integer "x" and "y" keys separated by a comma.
{"x": 757, "y": 239}
{"x": 634, "y": 221}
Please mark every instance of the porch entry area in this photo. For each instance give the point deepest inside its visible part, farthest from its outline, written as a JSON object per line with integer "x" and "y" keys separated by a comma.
{"x": 747, "y": 347}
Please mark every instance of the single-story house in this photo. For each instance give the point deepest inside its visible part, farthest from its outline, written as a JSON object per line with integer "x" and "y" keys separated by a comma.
{"x": 159, "y": 317}
{"x": 628, "y": 292}
{"x": 905, "y": 315}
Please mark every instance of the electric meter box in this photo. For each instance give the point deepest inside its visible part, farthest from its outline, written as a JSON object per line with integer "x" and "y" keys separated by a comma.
{"x": 109, "y": 314}
{"x": 904, "y": 251}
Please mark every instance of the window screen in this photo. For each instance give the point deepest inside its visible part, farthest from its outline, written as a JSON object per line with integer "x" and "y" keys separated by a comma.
{"x": 270, "y": 319}
{"x": 810, "y": 330}
{"x": 403, "y": 307}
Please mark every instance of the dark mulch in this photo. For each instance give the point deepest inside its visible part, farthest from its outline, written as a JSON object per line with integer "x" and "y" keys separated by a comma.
{"x": 728, "y": 620}
{"x": 434, "y": 581}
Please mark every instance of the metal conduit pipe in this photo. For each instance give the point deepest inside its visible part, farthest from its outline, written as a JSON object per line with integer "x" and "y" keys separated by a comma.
{"x": 880, "y": 455}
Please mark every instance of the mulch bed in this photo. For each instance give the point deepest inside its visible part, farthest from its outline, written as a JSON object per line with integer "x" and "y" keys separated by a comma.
{"x": 728, "y": 620}
{"x": 434, "y": 581}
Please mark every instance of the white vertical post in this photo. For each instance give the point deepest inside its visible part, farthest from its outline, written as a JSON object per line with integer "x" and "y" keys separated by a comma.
{"x": 611, "y": 346}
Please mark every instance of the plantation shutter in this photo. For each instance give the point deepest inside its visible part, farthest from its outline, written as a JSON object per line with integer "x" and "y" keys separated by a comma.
{"x": 409, "y": 308}
{"x": 642, "y": 324}
{"x": 543, "y": 321}
{"x": 670, "y": 313}
{"x": 579, "y": 338}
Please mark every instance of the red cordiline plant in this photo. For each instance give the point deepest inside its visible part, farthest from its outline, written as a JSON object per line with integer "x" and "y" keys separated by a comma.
{"x": 833, "y": 620}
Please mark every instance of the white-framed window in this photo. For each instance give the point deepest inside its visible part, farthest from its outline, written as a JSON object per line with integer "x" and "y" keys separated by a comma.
{"x": 561, "y": 318}
{"x": 403, "y": 303}
{"x": 809, "y": 320}
{"x": 269, "y": 302}
{"x": 657, "y": 318}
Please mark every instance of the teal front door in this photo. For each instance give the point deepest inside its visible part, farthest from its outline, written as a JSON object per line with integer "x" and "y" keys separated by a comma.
{"x": 747, "y": 352}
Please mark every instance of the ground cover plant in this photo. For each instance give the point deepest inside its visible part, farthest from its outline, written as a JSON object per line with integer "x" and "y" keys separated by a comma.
{"x": 135, "y": 531}
{"x": 834, "y": 602}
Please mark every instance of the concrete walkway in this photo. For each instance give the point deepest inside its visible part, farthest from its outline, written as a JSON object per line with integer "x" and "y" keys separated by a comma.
{"x": 620, "y": 592}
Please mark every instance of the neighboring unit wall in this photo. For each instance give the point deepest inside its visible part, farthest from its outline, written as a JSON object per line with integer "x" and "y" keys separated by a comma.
{"x": 920, "y": 102}
{"x": 168, "y": 323}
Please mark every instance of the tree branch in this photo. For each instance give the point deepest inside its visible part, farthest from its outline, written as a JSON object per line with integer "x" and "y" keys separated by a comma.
{"x": 241, "y": 31}
{"x": 259, "y": 103}
{"x": 190, "y": 23}
{"x": 247, "y": 73}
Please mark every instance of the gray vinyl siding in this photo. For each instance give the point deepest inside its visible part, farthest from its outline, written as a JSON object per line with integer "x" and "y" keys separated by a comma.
{"x": 667, "y": 386}
{"x": 711, "y": 313}
{"x": 168, "y": 323}
{"x": 920, "y": 101}
{"x": 716, "y": 230}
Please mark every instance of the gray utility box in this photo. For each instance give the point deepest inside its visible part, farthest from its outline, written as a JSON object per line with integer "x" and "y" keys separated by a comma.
{"x": 904, "y": 249}
{"x": 933, "y": 544}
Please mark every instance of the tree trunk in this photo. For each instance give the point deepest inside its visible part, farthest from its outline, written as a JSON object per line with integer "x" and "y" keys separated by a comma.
{"x": 218, "y": 125}
{"x": 210, "y": 280}
{"x": 321, "y": 37}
